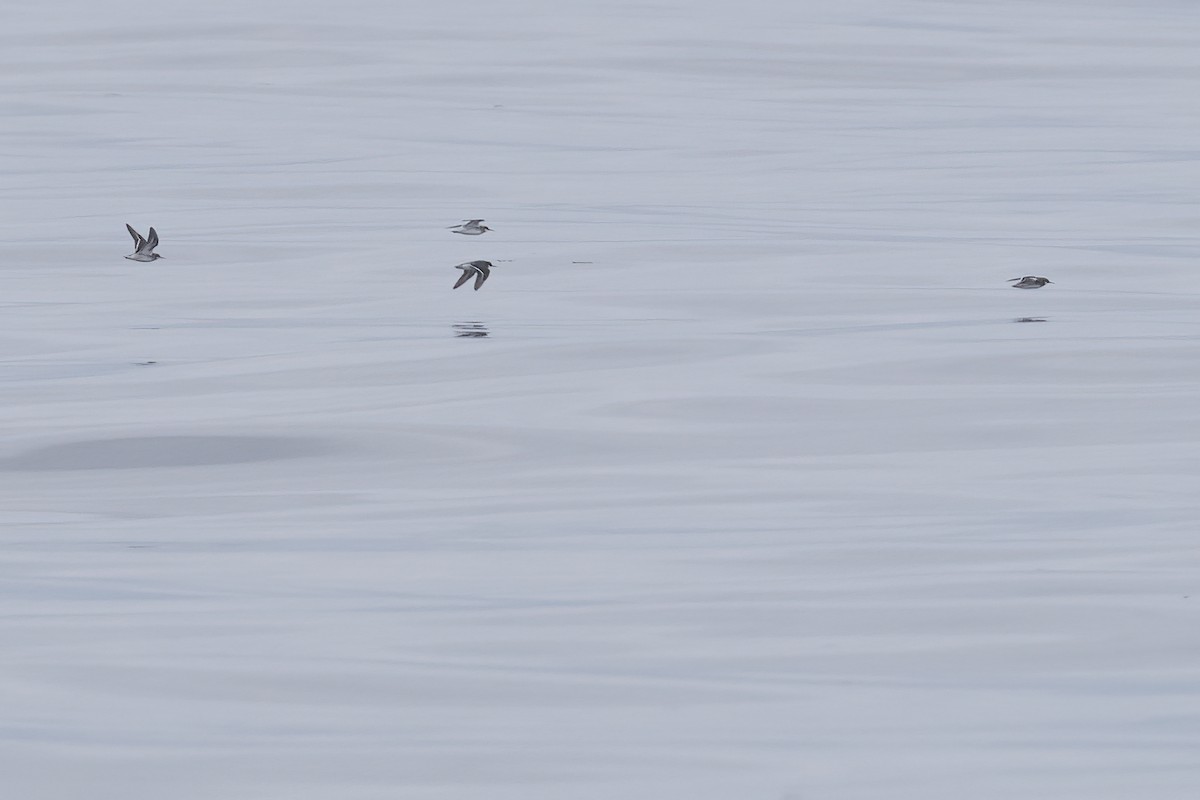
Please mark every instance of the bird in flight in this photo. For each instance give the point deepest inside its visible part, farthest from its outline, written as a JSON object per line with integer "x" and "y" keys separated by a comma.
{"x": 479, "y": 269}
{"x": 470, "y": 227}
{"x": 143, "y": 249}
{"x": 1029, "y": 282}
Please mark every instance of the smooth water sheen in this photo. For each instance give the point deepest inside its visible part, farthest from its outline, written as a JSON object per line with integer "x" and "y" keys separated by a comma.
{"x": 735, "y": 480}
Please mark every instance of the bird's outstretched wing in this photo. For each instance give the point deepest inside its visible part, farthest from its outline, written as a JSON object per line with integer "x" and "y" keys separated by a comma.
{"x": 465, "y": 277}
{"x": 481, "y": 277}
{"x": 152, "y": 242}
{"x": 138, "y": 239}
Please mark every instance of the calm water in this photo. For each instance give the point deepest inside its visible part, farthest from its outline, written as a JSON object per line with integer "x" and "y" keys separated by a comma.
{"x": 736, "y": 479}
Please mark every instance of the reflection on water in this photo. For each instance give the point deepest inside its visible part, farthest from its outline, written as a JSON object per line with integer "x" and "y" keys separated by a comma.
{"x": 1030, "y": 319}
{"x": 470, "y": 330}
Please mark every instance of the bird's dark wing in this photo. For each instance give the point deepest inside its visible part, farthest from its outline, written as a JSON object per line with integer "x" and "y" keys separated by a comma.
{"x": 465, "y": 277}
{"x": 483, "y": 276}
{"x": 137, "y": 237}
{"x": 152, "y": 242}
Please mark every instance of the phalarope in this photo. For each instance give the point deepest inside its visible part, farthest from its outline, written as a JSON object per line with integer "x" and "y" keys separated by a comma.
{"x": 480, "y": 269}
{"x": 143, "y": 248}
{"x": 470, "y": 227}
{"x": 1029, "y": 282}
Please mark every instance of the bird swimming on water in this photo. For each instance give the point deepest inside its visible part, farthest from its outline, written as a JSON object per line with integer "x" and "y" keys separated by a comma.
{"x": 143, "y": 249}
{"x": 1030, "y": 282}
{"x": 479, "y": 269}
{"x": 470, "y": 227}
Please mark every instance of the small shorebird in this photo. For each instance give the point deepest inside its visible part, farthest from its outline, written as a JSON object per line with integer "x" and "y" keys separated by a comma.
{"x": 143, "y": 249}
{"x": 1029, "y": 282}
{"x": 480, "y": 269}
{"x": 470, "y": 227}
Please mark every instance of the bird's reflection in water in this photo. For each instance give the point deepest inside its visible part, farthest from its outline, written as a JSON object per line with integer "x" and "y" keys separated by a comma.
{"x": 470, "y": 330}
{"x": 1030, "y": 319}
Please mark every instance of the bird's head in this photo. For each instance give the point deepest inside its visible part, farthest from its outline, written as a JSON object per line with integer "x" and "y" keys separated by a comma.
{"x": 156, "y": 256}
